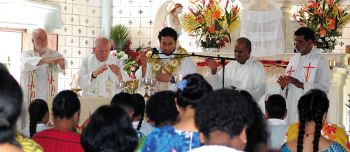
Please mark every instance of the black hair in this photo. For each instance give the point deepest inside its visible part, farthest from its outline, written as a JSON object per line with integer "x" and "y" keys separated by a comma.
{"x": 124, "y": 100}
{"x": 306, "y": 32}
{"x": 191, "y": 89}
{"x": 275, "y": 106}
{"x": 223, "y": 110}
{"x": 257, "y": 133}
{"x": 140, "y": 109}
{"x": 109, "y": 130}
{"x": 167, "y": 31}
{"x": 312, "y": 106}
{"x": 247, "y": 43}
{"x": 37, "y": 110}
{"x": 11, "y": 99}
{"x": 65, "y": 104}
{"x": 161, "y": 108}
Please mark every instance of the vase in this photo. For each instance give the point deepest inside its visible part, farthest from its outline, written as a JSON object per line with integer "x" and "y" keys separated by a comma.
{"x": 325, "y": 50}
{"x": 211, "y": 49}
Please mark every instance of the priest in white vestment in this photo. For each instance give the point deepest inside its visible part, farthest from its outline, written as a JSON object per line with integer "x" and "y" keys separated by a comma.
{"x": 39, "y": 70}
{"x": 306, "y": 70}
{"x": 101, "y": 72}
{"x": 164, "y": 66}
{"x": 246, "y": 73}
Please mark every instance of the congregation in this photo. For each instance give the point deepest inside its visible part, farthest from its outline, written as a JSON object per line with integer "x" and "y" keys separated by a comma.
{"x": 188, "y": 114}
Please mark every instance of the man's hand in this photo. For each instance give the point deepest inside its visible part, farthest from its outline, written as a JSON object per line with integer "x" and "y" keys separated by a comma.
{"x": 116, "y": 70}
{"x": 282, "y": 81}
{"x": 212, "y": 65}
{"x": 295, "y": 82}
{"x": 144, "y": 60}
{"x": 99, "y": 70}
{"x": 60, "y": 62}
{"x": 164, "y": 77}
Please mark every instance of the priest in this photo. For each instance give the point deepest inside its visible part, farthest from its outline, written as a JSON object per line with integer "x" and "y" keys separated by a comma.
{"x": 167, "y": 65}
{"x": 101, "y": 72}
{"x": 39, "y": 69}
{"x": 306, "y": 70}
{"x": 245, "y": 73}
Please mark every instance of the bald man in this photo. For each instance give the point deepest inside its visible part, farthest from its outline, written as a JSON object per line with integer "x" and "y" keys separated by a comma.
{"x": 245, "y": 73}
{"x": 101, "y": 72}
{"x": 39, "y": 69}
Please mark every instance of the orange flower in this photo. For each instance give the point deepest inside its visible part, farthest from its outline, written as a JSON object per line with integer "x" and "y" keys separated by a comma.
{"x": 331, "y": 23}
{"x": 323, "y": 32}
{"x": 211, "y": 29}
{"x": 216, "y": 14}
{"x": 199, "y": 18}
{"x": 314, "y": 5}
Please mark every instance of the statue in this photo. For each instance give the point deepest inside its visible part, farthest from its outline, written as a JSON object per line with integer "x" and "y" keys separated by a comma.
{"x": 167, "y": 16}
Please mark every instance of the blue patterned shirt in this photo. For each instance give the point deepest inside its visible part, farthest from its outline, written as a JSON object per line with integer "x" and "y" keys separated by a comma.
{"x": 334, "y": 147}
{"x": 168, "y": 139}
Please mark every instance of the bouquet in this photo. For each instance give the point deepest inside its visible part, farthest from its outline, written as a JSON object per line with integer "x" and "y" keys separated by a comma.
{"x": 326, "y": 18}
{"x": 211, "y": 23}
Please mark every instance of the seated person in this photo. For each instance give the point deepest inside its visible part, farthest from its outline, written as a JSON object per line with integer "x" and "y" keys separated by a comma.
{"x": 129, "y": 104}
{"x": 183, "y": 136}
{"x": 62, "y": 138}
{"x": 109, "y": 130}
{"x": 312, "y": 109}
{"x": 11, "y": 99}
{"x": 38, "y": 117}
{"x": 161, "y": 109}
{"x": 276, "y": 111}
{"x": 257, "y": 134}
{"x": 138, "y": 121}
{"x": 222, "y": 120}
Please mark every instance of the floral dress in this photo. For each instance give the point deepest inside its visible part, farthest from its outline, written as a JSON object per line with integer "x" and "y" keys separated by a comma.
{"x": 168, "y": 139}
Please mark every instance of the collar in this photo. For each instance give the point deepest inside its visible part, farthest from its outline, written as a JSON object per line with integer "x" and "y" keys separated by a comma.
{"x": 165, "y": 56}
{"x": 275, "y": 122}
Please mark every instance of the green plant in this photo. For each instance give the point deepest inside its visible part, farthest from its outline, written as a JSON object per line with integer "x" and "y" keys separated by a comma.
{"x": 120, "y": 35}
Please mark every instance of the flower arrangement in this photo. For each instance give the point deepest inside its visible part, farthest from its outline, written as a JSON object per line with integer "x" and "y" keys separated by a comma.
{"x": 326, "y": 18}
{"x": 130, "y": 64}
{"x": 210, "y": 22}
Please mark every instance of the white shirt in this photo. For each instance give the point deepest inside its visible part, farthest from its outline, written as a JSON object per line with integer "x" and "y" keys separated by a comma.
{"x": 277, "y": 129}
{"x": 215, "y": 148}
{"x": 106, "y": 84}
{"x": 39, "y": 127}
{"x": 146, "y": 128}
{"x": 317, "y": 76}
{"x": 249, "y": 76}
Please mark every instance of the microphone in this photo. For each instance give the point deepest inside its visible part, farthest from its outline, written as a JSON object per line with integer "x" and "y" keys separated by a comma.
{"x": 154, "y": 51}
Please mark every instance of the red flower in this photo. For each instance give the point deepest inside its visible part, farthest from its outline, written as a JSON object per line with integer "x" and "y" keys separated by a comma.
{"x": 211, "y": 29}
{"x": 314, "y": 5}
{"x": 331, "y": 23}
{"x": 216, "y": 14}
{"x": 323, "y": 32}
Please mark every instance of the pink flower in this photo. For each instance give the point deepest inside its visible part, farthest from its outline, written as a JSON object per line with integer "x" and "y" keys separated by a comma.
{"x": 132, "y": 68}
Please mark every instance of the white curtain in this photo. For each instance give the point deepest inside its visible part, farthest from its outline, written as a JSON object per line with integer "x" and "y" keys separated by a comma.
{"x": 264, "y": 30}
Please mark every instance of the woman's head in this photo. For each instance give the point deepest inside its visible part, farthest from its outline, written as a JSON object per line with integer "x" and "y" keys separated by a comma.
{"x": 312, "y": 108}
{"x": 38, "y": 113}
{"x": 223, "y": 117}
{"x": 109, "y": 129}
{"x": 126, "y": 101}
{"x": 191, "y": 89}
{"x": 66, "y": 106}
{"x": 161, "y": 109}
{"x": 11, "y": 99}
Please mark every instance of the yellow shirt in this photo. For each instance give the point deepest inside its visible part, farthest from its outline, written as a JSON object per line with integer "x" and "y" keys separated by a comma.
{"x": 27, "y": 144}
{"x": 329, "y": 131}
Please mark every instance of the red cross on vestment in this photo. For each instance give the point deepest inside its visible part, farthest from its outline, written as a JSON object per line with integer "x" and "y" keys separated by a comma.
{"x": 308, "y": 68}
{"x": 290, "y": 71}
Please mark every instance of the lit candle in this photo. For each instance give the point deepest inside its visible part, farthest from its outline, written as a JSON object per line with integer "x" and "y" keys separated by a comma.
{"x": 180, "y": 77}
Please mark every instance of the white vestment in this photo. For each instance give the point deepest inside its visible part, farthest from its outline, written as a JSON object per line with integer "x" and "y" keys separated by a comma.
{"x": 310, "y": 69}
{"x": 106, "y": 84}
{"x": 38, "y": 82}
{"x": 186, "y": 67}
{"x": 215, "y": 148}
{"x": 249, "y": 76}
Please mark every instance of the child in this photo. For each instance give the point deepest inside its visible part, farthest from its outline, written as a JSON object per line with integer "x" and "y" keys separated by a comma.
{"x": 39, "y": 117}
